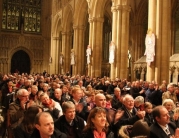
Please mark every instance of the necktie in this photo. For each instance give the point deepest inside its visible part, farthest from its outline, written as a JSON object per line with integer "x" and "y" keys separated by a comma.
{"x": 167, "y": 131}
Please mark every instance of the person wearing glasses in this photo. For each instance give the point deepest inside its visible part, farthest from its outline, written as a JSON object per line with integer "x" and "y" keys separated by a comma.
{"x": 17, "y": 109}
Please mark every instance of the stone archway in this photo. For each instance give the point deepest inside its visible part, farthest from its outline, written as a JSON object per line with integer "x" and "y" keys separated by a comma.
{"x": 20, "y": 62}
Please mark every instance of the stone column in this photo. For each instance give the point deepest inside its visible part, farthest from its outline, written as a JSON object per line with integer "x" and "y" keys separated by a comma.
{"x": 151, "y": 25}
{"x": 66, "y": 50}
{"x": 54, "y": 65}
{"x": 124, "y": 41}
{"x": 120, "y": 36}
{"x": 79, "y": 49}
{"x": 114, "y": 39}
{"x": 163, "y": 34}
{"x": 96, "y": 29}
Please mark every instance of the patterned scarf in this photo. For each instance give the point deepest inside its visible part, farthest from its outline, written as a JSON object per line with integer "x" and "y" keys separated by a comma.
{"x": 48, "y": 104}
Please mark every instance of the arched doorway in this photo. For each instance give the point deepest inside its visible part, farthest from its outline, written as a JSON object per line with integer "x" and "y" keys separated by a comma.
{"x": 20, "y": 62}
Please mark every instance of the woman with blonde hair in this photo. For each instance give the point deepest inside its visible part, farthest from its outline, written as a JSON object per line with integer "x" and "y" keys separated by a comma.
{"x": 97, "y": 125}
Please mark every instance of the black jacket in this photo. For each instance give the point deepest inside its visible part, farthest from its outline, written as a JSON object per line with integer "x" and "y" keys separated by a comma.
{"x": 56, "y": 134}
{"x": 78, "y": 124}
{"x": 157, "y": 132}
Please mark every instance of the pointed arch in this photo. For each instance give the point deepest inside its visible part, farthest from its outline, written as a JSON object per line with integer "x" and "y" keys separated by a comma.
{"x": 67, "y": 19}
{"x": 99, "y": 7}
{"x": 81, "y": 12}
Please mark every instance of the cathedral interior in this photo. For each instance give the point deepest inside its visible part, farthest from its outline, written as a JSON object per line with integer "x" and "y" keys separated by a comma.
{"x": 38, "y": 35}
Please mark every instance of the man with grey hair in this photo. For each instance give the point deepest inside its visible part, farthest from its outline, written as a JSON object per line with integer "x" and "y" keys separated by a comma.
{"x": 69, "y": 123}
{"x": 18, "y": 107}
{"x": 130, "y": 114}
{"x": 169, "y": 94}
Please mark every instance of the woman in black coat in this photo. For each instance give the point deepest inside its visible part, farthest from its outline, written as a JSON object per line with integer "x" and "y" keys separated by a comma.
{"x": 97, "y": 125}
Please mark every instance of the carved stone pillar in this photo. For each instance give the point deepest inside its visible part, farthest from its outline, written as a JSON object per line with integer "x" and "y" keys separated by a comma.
{"x": 54, "y": 65}
{"x": 151, "y": 25}
{"x": 96, "y": 28}
{"x": 163, "y": 37}
{"x": 120, "y": 36}
{"x": 66, "y": 50}
{"x": 79, "y": 49}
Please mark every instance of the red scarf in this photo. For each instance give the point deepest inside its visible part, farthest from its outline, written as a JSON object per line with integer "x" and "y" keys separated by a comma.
{"x": 99, "y": 135}
{"x": 48, "y": 104}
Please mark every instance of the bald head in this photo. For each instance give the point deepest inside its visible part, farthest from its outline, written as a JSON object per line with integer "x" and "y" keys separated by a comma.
{"x": 100, "y": 100}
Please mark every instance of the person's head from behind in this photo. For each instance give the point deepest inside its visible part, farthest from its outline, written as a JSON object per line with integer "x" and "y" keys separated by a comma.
{"x": 168, "y": 104}
{"x": 97, "y": 120}
{"x": 29, "y": 117}
{"x": 148, "y": 107}
{"x": 69, "y": 110}
{"x": 128, "y": 102}
{"x": 45, "y": 124}
{"x": 160, "y": 115}
{"x": 100, "y": 100}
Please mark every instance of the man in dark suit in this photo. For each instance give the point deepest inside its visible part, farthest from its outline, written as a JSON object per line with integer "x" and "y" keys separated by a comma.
{"x": 162, "y": 128}
{"x": 130, "y": 114}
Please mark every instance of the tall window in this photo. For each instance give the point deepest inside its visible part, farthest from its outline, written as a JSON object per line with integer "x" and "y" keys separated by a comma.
{"x": 22, "y": 15}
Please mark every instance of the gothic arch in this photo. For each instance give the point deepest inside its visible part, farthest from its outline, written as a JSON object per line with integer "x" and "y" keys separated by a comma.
{"x": 57, "y": 26}
{"x": 30, "y": 54}
{"x": 80, "y": 13}
{"x": 67, "y": 19}
{"x": 99, "y": 7}
{"x": 142, "y": 11}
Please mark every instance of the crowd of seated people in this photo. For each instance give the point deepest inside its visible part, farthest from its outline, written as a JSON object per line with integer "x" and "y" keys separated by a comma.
{"x": 44, "y": 105}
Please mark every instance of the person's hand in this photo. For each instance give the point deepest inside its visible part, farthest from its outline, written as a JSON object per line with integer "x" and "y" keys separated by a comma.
{"x": 175, "y": 116}
{"x": 52, "y": 105}
{"x": 30, "y": 103}
{"x": 118, "y": 115}
{"x": 142, "y": 91}
{"x": 141, "y": 114}
{"x": 23, "y": 104}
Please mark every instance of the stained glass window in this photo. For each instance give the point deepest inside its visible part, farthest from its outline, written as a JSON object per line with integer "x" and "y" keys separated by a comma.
{"x": 22, "y": 15}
